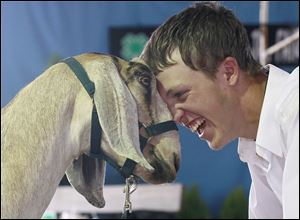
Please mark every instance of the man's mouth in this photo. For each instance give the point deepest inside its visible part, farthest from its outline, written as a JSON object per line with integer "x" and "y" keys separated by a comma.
{"x": 198, "y": 126}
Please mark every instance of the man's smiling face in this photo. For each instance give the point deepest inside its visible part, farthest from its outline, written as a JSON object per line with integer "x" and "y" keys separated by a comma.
{"x": 198, "y": 102}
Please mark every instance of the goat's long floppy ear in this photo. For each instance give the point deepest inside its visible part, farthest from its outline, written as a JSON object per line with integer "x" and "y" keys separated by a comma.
{"x": 87, "y": 176}
{"x": 117, "y": 113}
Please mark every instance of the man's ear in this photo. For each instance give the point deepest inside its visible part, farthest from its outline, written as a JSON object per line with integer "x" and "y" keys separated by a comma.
{"x": 230, "y": 71}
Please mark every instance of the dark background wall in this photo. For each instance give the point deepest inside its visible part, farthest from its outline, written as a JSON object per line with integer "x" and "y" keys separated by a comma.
{"x": 36, "y": 34}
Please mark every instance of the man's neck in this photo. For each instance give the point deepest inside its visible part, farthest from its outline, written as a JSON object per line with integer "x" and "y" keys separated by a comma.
{"x": 251, "y": 105}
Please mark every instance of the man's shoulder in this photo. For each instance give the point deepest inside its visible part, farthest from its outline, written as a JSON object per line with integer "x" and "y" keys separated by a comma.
{"x": 296, "y": 71}
{"x": 280, "y": 109}
{"x": 287, "y": 107}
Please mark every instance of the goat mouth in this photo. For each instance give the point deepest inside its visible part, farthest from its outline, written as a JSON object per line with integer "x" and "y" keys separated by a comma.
{"x": 162, "y": 174}
{"x": 162, "y": 171}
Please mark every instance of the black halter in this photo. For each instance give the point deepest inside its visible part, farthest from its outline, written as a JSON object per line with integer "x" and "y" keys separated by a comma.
{"x": 96, "y": 152}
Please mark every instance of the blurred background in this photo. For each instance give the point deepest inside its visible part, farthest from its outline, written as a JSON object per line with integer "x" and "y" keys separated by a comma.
{"x": 35, "y": 35}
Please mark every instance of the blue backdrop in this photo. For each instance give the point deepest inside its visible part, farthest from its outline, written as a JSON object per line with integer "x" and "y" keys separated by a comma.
{"x": 35, "y": 33}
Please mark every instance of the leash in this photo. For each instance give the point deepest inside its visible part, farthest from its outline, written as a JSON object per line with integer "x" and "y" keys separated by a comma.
{"x": 129, "y": 188}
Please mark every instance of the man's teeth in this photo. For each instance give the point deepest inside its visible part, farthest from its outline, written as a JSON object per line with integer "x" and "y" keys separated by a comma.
{"x": 197, "y": 125}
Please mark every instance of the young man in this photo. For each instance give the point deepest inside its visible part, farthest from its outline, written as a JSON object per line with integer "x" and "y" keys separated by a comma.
{"x": 211, "y": 83}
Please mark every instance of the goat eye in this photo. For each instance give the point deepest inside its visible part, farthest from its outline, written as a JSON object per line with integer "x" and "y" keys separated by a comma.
{"x": 144, "y": 80}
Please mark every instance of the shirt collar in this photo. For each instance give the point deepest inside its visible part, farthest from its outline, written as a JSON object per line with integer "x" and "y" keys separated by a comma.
{"x": 246, "y": 150}
{"x": 268, "y": 133}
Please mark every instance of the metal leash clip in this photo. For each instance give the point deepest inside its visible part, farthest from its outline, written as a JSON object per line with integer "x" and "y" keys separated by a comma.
{"x": 130, "y": 187}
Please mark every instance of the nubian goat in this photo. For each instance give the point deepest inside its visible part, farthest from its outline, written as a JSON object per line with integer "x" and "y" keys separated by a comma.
{"x": 46, "y": 131}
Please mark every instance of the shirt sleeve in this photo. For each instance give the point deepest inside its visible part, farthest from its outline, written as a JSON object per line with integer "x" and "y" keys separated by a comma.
{"x": 290, "y": 183}
{"x": 289, "y": 115}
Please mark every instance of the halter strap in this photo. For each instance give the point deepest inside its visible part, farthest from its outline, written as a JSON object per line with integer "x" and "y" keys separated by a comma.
{"x": 81, "y": 75}
{"x": 96, "y": 131}
{"x": 160, "y": 128}
{"x": 154, "y": 130}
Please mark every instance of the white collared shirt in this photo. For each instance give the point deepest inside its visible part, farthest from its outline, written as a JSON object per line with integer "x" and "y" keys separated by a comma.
{"x": 273, "y": 159}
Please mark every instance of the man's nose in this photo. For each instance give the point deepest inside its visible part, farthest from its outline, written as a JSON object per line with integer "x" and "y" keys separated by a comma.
{"x": 180, "y": 115}
{"x": 177, "y": 113}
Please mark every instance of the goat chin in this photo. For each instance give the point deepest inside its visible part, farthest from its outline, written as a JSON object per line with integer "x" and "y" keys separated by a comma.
{"x": 165, "y": 166}
{"x": 162, "y": 173}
